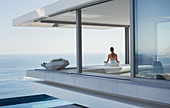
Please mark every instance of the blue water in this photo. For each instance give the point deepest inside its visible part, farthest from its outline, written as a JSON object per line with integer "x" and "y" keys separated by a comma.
{"x": 41, "y": 104}
{"x": 13, "y": 81}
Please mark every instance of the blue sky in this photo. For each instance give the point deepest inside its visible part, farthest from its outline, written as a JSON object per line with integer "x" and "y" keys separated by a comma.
{"x": 27, "y": 40}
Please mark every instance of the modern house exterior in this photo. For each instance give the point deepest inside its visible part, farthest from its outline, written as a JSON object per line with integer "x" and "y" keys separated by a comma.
{"x": 147, "y": 30}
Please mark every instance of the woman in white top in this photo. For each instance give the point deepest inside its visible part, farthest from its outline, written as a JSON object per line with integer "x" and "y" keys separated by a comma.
{"x": 112, "y": 57}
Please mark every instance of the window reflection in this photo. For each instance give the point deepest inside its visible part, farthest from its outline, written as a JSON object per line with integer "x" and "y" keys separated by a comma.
{"x": 152, "y": 34}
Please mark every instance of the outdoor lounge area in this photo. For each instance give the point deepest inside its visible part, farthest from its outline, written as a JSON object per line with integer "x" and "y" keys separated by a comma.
{"x": 94, "y": 17}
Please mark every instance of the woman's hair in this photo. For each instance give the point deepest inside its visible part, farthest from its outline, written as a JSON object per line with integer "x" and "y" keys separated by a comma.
{"x": 112, "y": 50}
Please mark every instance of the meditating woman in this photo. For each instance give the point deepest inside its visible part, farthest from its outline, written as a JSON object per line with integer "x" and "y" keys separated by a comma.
{"x": 112, "y": 57}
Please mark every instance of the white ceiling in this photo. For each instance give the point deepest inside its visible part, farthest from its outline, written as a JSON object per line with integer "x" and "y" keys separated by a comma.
{"x": 114, "y": 12}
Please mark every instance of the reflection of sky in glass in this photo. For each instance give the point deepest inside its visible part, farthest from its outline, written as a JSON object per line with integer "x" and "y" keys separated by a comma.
{"x": 163, "y": 38}
{"x": 151, "y": 34}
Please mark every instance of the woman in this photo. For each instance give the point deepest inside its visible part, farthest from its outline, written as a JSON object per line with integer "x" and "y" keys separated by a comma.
{"x": 112, "y": 57}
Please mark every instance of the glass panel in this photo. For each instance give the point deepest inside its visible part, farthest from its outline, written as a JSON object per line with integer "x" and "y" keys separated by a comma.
{"x": 97, "y": 43}
{"x": 100, "y": 33}
{"x": 152, "y": 39}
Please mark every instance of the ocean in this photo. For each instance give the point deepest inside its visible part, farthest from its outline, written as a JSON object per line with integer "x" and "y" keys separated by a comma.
{"x": 13, "y": 80}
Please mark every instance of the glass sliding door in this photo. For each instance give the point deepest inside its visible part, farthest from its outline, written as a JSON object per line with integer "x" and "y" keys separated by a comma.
{"x": 152, "y": 39}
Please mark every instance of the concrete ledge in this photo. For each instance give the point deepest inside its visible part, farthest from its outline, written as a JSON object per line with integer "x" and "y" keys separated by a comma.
{"x": 92, "y": 99}
{"x": 128, "y": 88}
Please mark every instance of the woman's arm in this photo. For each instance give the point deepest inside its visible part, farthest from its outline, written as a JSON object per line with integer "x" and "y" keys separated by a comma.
{"x": 116, "y": 58}
{"x": 107, "y": 59}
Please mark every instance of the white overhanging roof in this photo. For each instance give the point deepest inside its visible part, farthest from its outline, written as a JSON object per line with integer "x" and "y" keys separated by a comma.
{"x": 94, "y": 13}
